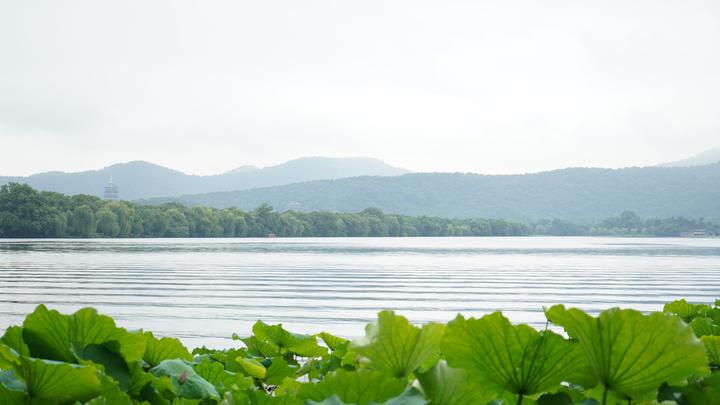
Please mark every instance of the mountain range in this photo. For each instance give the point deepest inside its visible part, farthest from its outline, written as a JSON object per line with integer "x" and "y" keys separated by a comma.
{"x": 573, "y": 194}
{"x": 689, "y": 187}
{"x": 140, "y": 179}
{"x": 704, "y": 158}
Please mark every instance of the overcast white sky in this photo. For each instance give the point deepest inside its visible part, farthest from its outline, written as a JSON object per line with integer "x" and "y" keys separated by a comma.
{"x": 480, "y": 86}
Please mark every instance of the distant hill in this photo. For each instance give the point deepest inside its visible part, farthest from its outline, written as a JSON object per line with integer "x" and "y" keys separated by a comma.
{"x": 705, "y": 158}
{"x": 574, "y": 194}
{"x": 139, "y": 179}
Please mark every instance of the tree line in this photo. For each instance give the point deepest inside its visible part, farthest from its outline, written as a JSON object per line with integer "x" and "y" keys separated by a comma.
{"x": 26, "y": 212}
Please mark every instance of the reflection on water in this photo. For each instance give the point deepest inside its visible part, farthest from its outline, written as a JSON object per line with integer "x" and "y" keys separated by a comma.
{"x": 203, "y": 290}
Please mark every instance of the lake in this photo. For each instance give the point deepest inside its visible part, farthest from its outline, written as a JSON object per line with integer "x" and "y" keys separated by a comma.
{"x": 203, "y": 290}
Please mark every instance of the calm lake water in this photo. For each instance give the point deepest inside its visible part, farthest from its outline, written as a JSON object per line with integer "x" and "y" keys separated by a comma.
{"x": 203, "y": 290}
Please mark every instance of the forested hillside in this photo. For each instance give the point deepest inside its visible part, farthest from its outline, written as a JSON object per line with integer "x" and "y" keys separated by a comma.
{"x": 571, "y": 194}
{"x": 25, "y": 212}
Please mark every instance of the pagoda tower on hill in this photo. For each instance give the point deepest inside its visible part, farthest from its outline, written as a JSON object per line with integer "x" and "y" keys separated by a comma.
{"x": 111, "y": 191}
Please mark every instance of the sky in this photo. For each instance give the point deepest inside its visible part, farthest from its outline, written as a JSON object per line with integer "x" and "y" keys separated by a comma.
{"x": 471, "y": 86}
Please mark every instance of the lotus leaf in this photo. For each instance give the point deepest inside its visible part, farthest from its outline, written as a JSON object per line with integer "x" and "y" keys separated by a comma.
{"x": 512, "y": 358}
{"x": 278, "y": 370}
{"x": 360, "y": 387}
{"x": 60, "y": 382}
{"x": 396, "y": 347}
{"x": 46, "y": 333}
{"x": 13, "y": 339}
{"x": 712, "y": 345}
{"x": 214, "y": 373}
{"x": 409, "y": 397}
{"x": 277, "y": 336}
{"x": 686, "y": 310}
{"x": 186, "y": 382}
{"x": 12, "y": 397}
{"x": 253, "y": 368}
{"x": 8, "y": 357}
{"x": 87, "y": 327}
{"x": 705, "y": 327}
{"x": 444, "y": 385}
{"x": 631, "y": 353}
{"x": 157, "y": 350}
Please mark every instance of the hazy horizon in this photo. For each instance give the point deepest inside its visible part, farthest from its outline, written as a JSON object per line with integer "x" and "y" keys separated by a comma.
{"x": 304, "y": 157}
{"x": 484, "y": 87}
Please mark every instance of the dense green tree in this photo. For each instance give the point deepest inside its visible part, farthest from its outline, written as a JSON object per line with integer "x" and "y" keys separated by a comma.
{"x": 204, "y": 222}
{"x": 178, "y": 224}
{"x": 25, "y": 212}
{"x": 124, "y": 217}
{"x": 60, "y": 225}
{"x": 137, "y": 229}
{"x": 30, "y": 216}
{"x": 155, "y": 221}
{"x": 290, "y": 225}
{"x": 83, "y": 222}
{"x": 356, "y": 225}
{"x": 107, "y": 223}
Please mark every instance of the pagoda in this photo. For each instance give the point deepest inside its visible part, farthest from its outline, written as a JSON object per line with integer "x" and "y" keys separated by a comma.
{"x": 111, "y": 191}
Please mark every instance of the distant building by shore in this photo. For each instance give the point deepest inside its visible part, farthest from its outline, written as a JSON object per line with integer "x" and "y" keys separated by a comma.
{"x": 111, "y": 191}
{"x": 697, "y": 233}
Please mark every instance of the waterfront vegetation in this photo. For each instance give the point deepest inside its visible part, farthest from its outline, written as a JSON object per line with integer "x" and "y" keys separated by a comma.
{"x": 26, "y": 212}
{"x": 620, "y": 356}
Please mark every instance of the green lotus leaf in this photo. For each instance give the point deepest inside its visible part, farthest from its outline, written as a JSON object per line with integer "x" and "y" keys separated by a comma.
{"x": 159, "y": 391}
{"x": 557, "y": 398}
{"x": 8, "y": 357}
{"x": 276, "y": 335}
{"x": 631, "y": 353}
{"x": 334, "y": 343}
{"x": 228, "y": 357}
{"x": 13, "y": 339}
{"x": 257, "y": 397}
{"x": 278, "y": 370}
{"x": 444, "y": 385}
{"x": 354, "y": 387}
{"x": 712, "y": 346}
{"x": 59, "y": 382}
{"x": 167, "y": 348}
{"x": 259, "y": 348}
{"x": 214, "y": 373}
{"x": 289, "y": 387}
{"x": 704, "y": 391}
{"x": 705, "y": 326}
{"x": 686, "y": 310}
{"x": 409, "y": 397}
{"x": 186, "y": 382}
{"x": 396, "y": 347}
{"x": 253, "y": 368}
{"x": 12, "y": 397}
{"x": 112, "y": 394}
{"x": 112, "y": 363}
{"x": 512, "y": 358}
{"x": 714, "y": 314}
{"x": 46, "y": 334}
{"x": 315, "y": 368}
{"x": 350, "y": 359}
{"x": 10, "y": 381}
{"x": 333, "y": 400}
{"x": 87, "y": 327}
{"x": 138, "y": 379}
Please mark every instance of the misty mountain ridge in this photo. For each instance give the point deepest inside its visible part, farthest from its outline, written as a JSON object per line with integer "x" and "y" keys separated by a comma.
{"x": 141, "y": 179}
{"x": 707, "y": 157}
{"x": 573, "y": 194}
